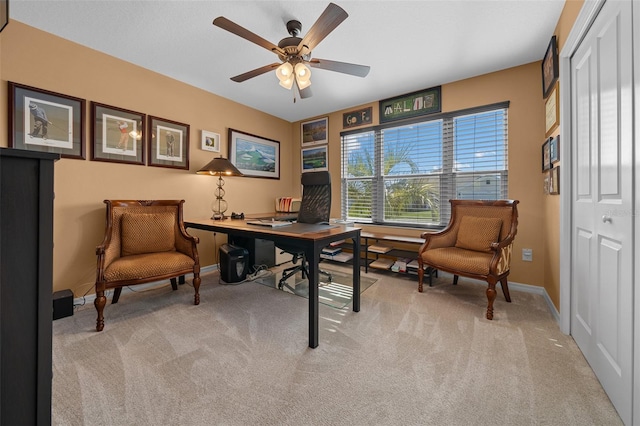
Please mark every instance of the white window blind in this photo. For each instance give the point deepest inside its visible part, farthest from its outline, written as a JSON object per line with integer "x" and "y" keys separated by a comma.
{"x": 406, "y": 173}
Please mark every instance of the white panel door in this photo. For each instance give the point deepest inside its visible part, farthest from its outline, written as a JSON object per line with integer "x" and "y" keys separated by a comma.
{"x": 602, "y": 202}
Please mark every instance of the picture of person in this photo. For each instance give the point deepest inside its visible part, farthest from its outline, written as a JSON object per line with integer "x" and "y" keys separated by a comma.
{"x": 170, "y": 139}
{"x": 123, "y": 143}
{"x": 40, "y": 121}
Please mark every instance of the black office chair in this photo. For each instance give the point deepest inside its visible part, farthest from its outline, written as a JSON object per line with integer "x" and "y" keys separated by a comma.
{"x": 314, "y": 208}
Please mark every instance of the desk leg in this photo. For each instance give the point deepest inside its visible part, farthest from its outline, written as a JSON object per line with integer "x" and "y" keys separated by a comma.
{"x": 313, "y": 257}
{"x": 356, "y": 274}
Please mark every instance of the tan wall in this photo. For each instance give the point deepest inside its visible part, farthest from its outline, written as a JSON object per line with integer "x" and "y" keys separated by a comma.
{"x": 35, "y": 58}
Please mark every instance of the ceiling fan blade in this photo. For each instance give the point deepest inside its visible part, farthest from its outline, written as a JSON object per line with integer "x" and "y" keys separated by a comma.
{"x": 343, "y": 67}
{"x": 332, "y": 16}
{"x": 254, "y": 73}
{"x": 236, "y": 29}
{"x": 305, "y": 93}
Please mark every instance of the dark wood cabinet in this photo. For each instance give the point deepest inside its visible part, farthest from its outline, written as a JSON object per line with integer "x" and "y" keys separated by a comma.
{"x": 26, "y": 279}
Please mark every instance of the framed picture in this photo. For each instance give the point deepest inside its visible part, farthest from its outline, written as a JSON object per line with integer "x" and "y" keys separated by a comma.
{"x": 554, "y": 149}
{"x": 552, "y": 112}
{"x": 414, "y": 104}
{"x": 45, "y": 121}
{"x": 315, "y": 159}
{"x": 4, "y": 13}
{"x": 315, "y": 132}
{"x": 546, "y": 182}
{"x": 554, "y": 181}
{"x": 210, "y": 141}
{"x": 550, "y": 67}
{"x": 357, "y": 118}
{"x": 253, "y": 155}
{"x": 546, "y": 159}
{"x": 168, "y": 143}
{"x": 117, "y": 134}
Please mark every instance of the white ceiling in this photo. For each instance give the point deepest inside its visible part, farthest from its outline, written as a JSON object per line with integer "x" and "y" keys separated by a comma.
{"x": 410, "y": 45}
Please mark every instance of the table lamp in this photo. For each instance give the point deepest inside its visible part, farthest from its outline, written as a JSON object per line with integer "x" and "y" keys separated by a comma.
{"x": 218, "y": 167}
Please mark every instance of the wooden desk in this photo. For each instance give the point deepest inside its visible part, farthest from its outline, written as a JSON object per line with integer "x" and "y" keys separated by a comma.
{"x": 310, "y": 238}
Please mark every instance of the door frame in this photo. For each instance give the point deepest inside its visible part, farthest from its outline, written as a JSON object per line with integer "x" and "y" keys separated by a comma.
{"x": 587, "y": 15}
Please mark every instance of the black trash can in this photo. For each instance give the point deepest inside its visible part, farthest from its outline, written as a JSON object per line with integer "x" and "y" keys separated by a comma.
{"x": 234, "y": 263}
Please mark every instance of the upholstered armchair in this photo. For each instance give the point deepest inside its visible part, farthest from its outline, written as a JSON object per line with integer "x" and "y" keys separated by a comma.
{"x": 476, "y": 243}
{"x": 144, "y": 241}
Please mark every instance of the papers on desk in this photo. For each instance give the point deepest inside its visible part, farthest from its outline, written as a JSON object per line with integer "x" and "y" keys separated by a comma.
{"x": 270, "y": 223}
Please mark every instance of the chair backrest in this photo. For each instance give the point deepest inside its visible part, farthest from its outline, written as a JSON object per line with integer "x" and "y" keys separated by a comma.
{"x": 506, "y": 210}
{"x": 125, "y": 214}
{"x": 316, "y": 197}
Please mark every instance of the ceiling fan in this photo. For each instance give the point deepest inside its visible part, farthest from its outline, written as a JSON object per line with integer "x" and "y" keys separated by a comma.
{"x": 295, "y": 52}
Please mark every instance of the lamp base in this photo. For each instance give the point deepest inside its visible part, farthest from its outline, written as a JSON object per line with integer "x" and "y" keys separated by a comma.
{"x": 218, "y": 216}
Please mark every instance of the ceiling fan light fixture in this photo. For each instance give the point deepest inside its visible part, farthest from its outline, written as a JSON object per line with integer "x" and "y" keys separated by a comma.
{"x": 303, "y": 84}
{"x": 287, "y": 83}
{"x": 303, "y": 73}
{"x": 284, "y": 71}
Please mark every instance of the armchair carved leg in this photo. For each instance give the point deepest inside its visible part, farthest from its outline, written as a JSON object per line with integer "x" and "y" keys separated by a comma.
{"x": 196, "y": 287}
{"x": 420, "y": 276}
{"x": 116, "y": 295}
{"x": 99, "y": 303}
{"x": 505, "y": 289}
{"x": 491, "y": 296}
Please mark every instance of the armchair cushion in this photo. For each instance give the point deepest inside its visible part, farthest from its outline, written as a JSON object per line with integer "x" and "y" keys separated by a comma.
{"x": 147, "y": 233}
{"x": 140, "y": 266}
{"x": 461, "y": 260}
{"x": 478, "y": 233}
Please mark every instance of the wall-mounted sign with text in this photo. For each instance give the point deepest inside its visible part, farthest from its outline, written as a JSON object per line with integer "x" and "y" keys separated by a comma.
{"x": 411, "y": 105}
{"x": 357, "y": 118}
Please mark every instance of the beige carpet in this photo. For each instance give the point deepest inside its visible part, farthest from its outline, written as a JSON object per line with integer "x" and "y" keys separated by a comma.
{"x": 241, "y": 358}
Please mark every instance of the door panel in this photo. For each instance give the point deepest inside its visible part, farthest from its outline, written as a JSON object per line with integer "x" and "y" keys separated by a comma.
{"x": 602, "y": 243}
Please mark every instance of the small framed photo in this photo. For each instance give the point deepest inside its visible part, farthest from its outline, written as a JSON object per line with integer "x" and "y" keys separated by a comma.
{"x": 550, "y": 68}
{"x": 168, "y": 143}
{"x": 210, "y": 141}
{"x": 117, "y": 134}
{"x": 253, "y": 155}
{"x": 315, "y": 159}
{"x": 546, "y": 158}
{"x": 45, "y": 121}
{"x": 546, "y": 182}
{"x": 552, "y": 111}
{"x": 554, "y": 181}
{"x": 314, "y": 132}
{"x": 554, "y": 149}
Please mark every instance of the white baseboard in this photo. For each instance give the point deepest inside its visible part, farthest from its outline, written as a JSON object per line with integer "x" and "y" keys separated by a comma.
{"x": 85, "y": 300}
{"x": 526, "y": 288}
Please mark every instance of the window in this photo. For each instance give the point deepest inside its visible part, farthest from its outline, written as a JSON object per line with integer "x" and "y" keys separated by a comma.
{"x": 405, "y": 174}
